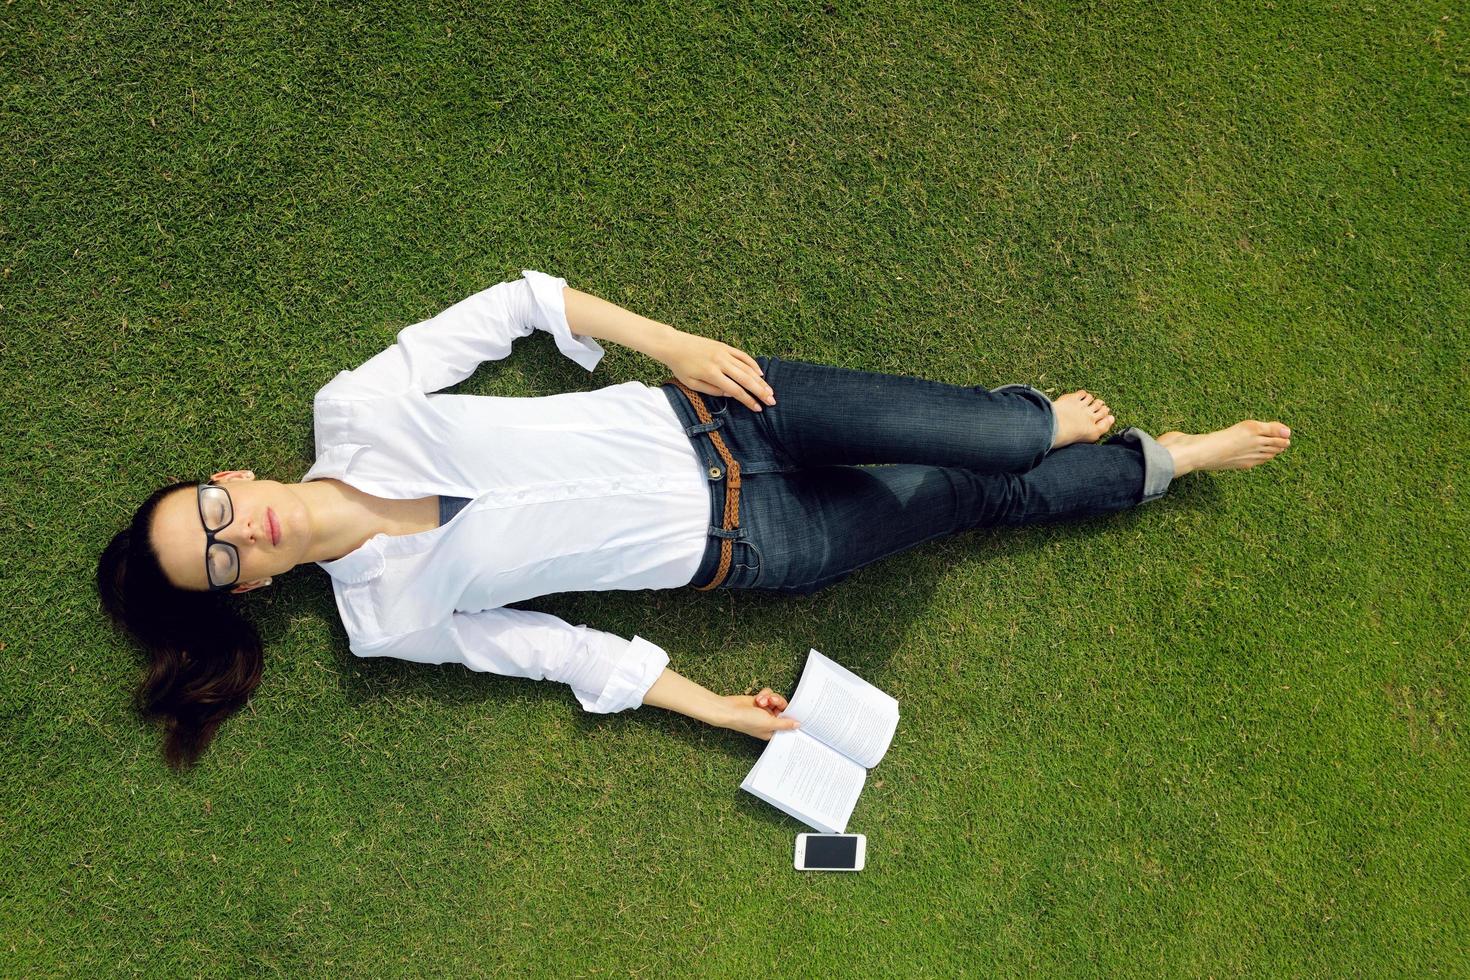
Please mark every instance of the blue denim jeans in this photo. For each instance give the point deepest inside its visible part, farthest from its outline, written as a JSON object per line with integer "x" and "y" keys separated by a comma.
{"x": 852, "y": 466}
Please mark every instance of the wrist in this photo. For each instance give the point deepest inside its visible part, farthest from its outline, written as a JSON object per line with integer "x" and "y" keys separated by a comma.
{"x": 678, "y": 693}
{"x": 723, "y": 714}
{"x": 663, "y": 340}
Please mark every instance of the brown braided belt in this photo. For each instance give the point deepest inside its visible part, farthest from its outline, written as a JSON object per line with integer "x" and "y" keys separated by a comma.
{"x": 732, "y": 483}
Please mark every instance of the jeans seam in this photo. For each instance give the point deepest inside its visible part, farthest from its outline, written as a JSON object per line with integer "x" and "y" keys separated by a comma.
{"x": 764, "y": 424}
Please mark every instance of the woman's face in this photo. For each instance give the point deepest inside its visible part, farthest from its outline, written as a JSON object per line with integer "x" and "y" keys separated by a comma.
{"x": 179, "y": 539}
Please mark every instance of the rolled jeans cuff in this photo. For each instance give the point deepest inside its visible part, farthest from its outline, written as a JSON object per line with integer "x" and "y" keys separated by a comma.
{"x": 1158, "y": 463}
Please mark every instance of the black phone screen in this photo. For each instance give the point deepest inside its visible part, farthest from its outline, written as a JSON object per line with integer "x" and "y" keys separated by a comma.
{"x": 831, "y": 852}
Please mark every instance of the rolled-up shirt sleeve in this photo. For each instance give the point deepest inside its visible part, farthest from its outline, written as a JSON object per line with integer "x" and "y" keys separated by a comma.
{"x": 447, "y": 348}
{"x": 550, "y": 315}
{"x": 606, "y": 672}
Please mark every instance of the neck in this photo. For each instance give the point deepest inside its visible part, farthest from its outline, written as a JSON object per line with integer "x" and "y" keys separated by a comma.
{"x": 342, "y": 517}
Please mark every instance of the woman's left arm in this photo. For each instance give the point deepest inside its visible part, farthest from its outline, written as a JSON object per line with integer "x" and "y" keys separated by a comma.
{"x": 705, "y": 365}
{"x": 757, "y": 714}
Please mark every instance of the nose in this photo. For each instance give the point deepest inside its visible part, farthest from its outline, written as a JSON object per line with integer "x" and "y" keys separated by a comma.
{"x": 242, "y": 532}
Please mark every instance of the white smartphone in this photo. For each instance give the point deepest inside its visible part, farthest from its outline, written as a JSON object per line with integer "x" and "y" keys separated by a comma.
{"x": 831, "y": 852}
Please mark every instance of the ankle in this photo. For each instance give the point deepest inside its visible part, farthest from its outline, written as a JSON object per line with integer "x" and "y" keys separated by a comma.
{"x": 1184, "y": 460}
{"x": 1181, "y": 467}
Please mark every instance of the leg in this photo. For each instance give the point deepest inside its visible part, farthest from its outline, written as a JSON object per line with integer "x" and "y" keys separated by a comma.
{"x": 828, "y": 415}
{"x": 812, "y": 528}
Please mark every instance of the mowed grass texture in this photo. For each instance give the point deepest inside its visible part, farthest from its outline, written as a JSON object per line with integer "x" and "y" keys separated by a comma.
{"x": 1222, "y": 734}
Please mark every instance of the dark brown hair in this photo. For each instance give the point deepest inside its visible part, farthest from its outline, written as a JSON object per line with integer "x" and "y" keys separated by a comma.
{"x": 206, "y": 657}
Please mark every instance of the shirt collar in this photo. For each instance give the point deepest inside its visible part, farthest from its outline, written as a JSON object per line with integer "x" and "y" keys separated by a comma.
{"x": 362, "y": 565}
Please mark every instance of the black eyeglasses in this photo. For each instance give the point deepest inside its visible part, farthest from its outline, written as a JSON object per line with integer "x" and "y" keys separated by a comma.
{"x": 221, "y": 559}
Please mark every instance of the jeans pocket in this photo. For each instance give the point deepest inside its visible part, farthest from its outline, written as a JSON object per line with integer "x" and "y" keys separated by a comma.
{"x": 745, "y": 566}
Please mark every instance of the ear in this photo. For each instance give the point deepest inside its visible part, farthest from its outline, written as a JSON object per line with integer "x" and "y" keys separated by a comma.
{"x": 225, "y": 475}
{"x": 250, "y": 586}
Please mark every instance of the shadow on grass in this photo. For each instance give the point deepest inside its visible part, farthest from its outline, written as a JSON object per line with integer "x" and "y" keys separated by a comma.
{"x": 862, "y": 620}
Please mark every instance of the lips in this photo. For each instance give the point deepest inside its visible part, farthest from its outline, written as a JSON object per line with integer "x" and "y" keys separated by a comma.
{"x": 275, "y": 528}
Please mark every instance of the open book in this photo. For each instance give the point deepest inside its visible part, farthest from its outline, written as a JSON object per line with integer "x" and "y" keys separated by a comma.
{"x": 816, "y": 772}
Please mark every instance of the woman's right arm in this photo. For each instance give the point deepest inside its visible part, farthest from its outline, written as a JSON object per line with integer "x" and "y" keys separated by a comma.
{"x": 754, "y": 715}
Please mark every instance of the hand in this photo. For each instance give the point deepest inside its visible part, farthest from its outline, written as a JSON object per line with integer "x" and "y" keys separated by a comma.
{"x": 713, "y": 368}
{"x": 759, "y": 715}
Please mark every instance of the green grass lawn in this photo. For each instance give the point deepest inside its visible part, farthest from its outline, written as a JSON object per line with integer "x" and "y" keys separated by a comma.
{"x": 1222, "y": 734}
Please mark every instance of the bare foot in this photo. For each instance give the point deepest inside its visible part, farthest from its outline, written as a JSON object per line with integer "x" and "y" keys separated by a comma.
{"x": 1080, "y": 418}
{"x": 1243, "y": 445}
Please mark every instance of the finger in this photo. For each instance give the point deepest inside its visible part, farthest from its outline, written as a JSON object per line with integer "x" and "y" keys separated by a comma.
{"x": 733, "y": 389}
{"x": 748, "y": 360}
{"x": 703, "y": 387}
{"x": 751, "y": 381}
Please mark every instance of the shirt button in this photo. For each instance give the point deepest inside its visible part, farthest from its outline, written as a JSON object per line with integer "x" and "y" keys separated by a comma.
{"x": 714, "y": 472}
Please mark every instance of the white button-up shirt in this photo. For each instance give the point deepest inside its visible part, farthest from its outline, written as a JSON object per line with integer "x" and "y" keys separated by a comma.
{"x": 578, "y": 491}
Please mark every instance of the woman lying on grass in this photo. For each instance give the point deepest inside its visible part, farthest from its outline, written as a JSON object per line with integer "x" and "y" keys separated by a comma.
{"x": 434, "y": 513}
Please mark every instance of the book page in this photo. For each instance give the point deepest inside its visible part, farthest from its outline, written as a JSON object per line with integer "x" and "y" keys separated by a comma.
{"x": 838, "y": 707}
{"x": 805, "y": 778}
